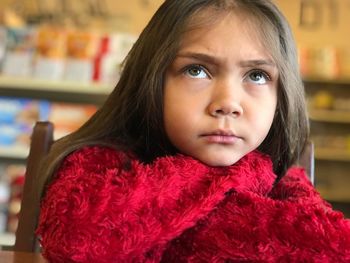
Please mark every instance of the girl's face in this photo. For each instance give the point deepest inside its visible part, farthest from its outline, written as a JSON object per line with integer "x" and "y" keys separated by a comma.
{"x": 220, "y": 92}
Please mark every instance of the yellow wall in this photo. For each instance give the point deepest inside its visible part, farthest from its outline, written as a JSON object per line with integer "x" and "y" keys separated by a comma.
{"x": 333, "y": 18}
{"x": 139, "y": 11}
{"x": 325, "y": 31}
{"x": 333, "y": 15}
{"x": 129, "y": 15}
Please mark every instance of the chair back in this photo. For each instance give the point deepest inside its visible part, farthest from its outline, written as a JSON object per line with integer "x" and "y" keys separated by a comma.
{"x": 307, "y": 161}
{"x": 41, "y": 140}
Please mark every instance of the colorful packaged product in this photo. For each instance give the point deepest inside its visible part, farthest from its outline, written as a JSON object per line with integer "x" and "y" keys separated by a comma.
{"x": 20, "y": 47}
{"x": 81, "y": 50}
{"x": 50, "y": 53}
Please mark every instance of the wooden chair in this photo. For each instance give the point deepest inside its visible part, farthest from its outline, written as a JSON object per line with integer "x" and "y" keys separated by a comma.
{"x": 307, "y": 160}
{"x": 41, "y": 140}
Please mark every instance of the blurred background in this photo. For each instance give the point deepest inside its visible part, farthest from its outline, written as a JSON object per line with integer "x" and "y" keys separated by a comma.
{"x": 60, "y": 59}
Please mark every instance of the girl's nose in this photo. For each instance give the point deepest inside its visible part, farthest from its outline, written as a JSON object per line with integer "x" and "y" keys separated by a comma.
{"x": 228, "y": 106}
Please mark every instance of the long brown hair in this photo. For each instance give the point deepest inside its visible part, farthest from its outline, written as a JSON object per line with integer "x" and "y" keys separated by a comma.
{"x": 132, "y": 117}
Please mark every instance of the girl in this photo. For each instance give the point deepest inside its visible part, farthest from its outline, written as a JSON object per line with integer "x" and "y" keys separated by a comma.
{"x": 189, "y": 159}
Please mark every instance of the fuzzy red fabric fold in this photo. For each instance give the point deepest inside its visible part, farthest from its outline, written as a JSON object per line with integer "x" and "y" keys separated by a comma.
{"x": 106, "y": 206}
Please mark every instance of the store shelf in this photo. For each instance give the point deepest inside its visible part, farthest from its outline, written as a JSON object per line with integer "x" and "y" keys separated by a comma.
{"x": 332, "y": 154}
{"x": 329, "y": 116}
{"x": 325, "y": 80}
{"x": 330, "y": 131}
{"x": 58, "y": 86}
{"x": 14, "y": 152}
{"x": 7, "y": 239}
{"x": 54, "y": 90}
{"x": 334, "y": 195}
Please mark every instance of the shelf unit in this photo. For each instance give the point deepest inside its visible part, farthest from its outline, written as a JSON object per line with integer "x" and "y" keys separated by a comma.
{"x": 324, "y": 80}
{"x": 14, "y": 152}
{"x": 332, "y": 156}
{"x": 54, "y": 90}
{"x": 330, "y": 116}
{"x": 6, "y": 239}
{"x": 63, "y": 91}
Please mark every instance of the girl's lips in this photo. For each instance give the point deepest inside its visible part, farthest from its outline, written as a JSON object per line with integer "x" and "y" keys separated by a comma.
{"x": 224, "y": 139}
{"x": 221, "y": 137}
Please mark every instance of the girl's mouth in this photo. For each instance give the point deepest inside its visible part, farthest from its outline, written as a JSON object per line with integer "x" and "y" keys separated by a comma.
{"x": 221, "y": 136}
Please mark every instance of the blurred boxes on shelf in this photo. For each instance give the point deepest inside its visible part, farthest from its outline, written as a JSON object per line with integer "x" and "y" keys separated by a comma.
{"x": 11, "y": 187}
{"x": 319, "y": 62}
{"x": 325, "y": 99}
{"x": 4, "y": 198}
{"x": 18, "y": 115}
{"x": 69, "y": 117}
{"x": 50, "y": 53}
{"x": 327, "y": 62}
{"x": 58, "y": 53}
{"x": 19, "y": 51}
{"x": 112, "y": 51}
{"x": 2, "y": 44}
{"x": 81, "y": 49}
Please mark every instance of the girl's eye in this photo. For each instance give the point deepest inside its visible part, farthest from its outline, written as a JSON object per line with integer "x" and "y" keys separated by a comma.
{"x": 196, "y": 71}
{"x": 258, "y": 77}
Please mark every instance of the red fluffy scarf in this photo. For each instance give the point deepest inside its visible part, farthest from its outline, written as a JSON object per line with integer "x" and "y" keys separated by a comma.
{"x": 104, "y": 207}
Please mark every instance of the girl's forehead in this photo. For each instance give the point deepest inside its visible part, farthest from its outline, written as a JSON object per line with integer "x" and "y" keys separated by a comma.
{"x": 209, "y": 17}
{"x": 260, "y": 31}
{"x": 232, "y": 25}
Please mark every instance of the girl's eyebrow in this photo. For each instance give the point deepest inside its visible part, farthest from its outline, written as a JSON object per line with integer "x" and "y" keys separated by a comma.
{"x": 216, "y": 61}
{"x": 257, "y": 62}
{"x": 199, "y": 56}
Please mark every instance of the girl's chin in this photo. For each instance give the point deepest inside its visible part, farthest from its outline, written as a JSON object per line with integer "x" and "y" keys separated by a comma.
{"x": 220, "y": 162}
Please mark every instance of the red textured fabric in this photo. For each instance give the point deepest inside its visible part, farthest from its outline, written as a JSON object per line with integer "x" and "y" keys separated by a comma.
{"x": 105, "y": 206}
